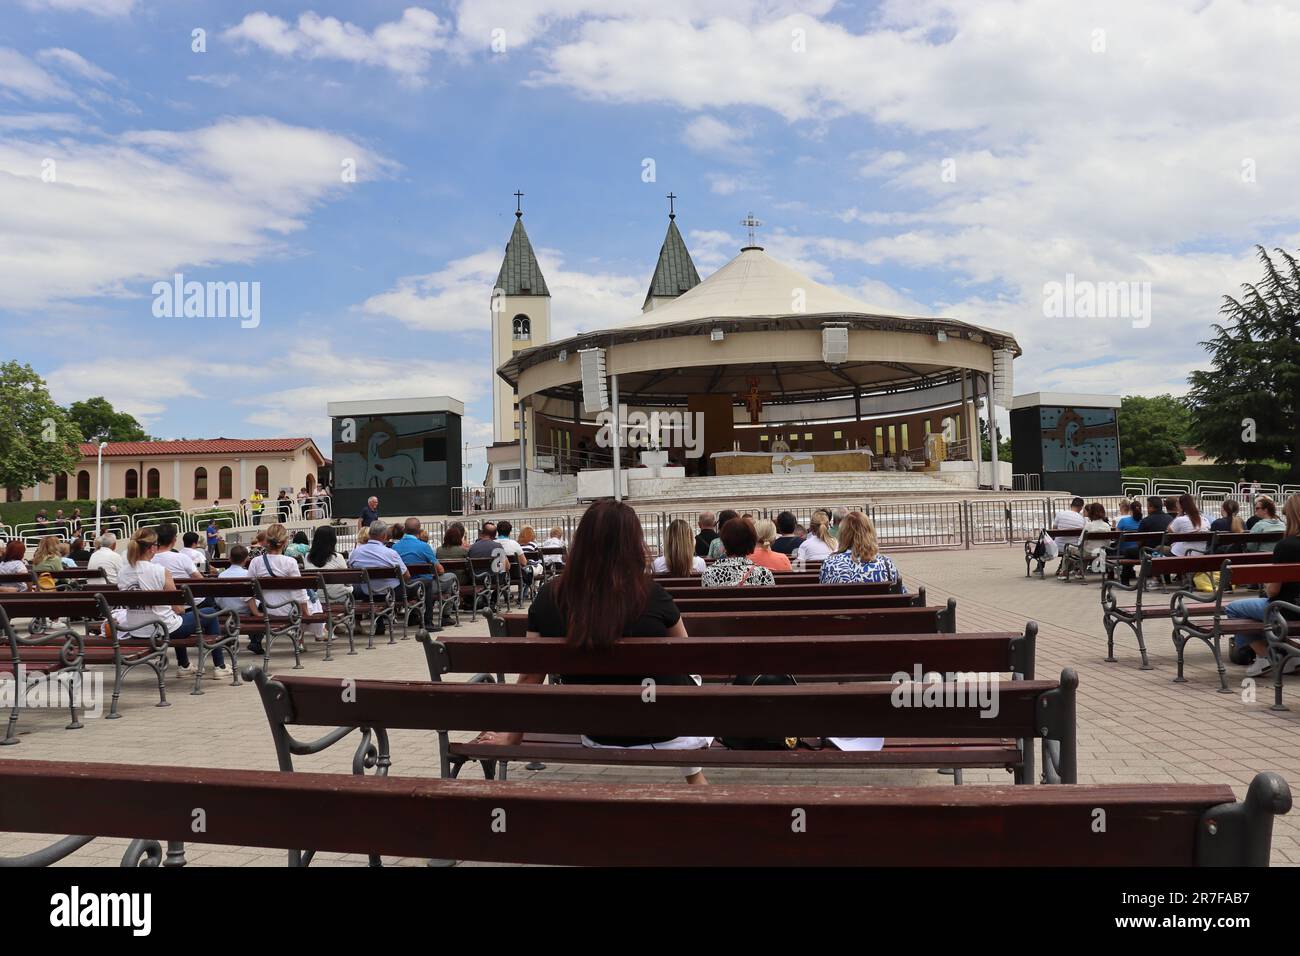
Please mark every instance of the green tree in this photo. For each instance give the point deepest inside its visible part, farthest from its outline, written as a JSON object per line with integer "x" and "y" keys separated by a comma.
{"x": 1152, "y": 431}
{"x": 1246, "y": 406}
{"x": 986, "y": 450}
{"x": 37, "y": 438}
{"x": 98, "y": 419}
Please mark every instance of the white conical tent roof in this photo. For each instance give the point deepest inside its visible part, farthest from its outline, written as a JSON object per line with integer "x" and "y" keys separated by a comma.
{"x": 751, "y": 284}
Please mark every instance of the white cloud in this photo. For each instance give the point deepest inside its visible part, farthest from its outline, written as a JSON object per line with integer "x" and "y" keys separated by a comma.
{"x": 457, "y": 298}
{"x": 20, "y": 77}
{"x": 707, "y": 134}
{"x": 100, "y": 8}
{"x": 219, "y": 80}
{"x": 169, "y": 383}
{"x": 402, "y": 46}
{"x": 137, "y": 207}
{"x": 74, "y": 62}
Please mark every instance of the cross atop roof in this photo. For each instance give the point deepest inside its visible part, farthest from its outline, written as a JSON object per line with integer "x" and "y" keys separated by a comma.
{"x": 672, "y": 213}
{"x": 519, "y": 210}
{"x": 751, "y": 223}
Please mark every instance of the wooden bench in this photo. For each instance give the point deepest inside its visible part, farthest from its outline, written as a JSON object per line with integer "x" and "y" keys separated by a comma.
{"x": 1241, "y": 541}
{"x": 73, "y": 578}
{"x": 844, "y": 657}
{"x": 57, "y": 652}
{"x": 367, "y": 609}
{"x": 782, "y": 577}
{"x": 1153, "y": 568}
{"x": 1283, "y": 637}
{"x": 784, "y": 590}
{"x": 1196, "y": 618}
{"x": 897, "y": 620}
{"x": 1074, "y": 557}
{"x": 965, "y": 734}
{"x": 589, "y": 824}
{"x": 756, "y": 600}
{"x": 1059, "y": 535}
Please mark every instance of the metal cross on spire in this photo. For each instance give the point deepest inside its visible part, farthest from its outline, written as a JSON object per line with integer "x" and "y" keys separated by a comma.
{"x": 672, "y": 213}
{"x": 519, "y": 207}
{"x": 751, "y": 223}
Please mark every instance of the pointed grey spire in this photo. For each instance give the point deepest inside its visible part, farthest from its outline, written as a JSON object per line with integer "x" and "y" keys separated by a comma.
{"x": 675, "y": 272}
{"x": 520, "y": 274}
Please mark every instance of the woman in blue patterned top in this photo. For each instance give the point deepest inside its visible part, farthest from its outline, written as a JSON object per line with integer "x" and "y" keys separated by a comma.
{"x": 859, "y": 559}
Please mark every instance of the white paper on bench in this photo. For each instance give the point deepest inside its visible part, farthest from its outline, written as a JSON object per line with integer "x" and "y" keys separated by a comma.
{"x": 858, "y": 743}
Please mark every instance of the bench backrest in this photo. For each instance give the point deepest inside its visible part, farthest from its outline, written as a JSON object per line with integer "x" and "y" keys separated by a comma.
{"x": 744, "y": 623}
{"x": 782, "y": 577}
{"x": 1242, "y": 574}
{"x": 650, "y": 824}
{"x": 785, "y": 590}
{"x": 1193, "y": 564}
{"x": 756, "y": 600}
{"x": 796, "y": 654}
{"x": 1006, "y": 708}
{"x": 1239, "y": 539}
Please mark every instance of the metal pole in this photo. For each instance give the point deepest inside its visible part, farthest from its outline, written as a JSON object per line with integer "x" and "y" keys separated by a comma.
{"x": 99, "y": 485}
{"x": 523, "y": 457}
{"x": 993, "y": 430}
{"x": 614, "y": 438}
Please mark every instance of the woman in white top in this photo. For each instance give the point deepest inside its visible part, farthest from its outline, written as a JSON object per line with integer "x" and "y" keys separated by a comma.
{"x": 324, "y": 556}
{"x": 817, "y": 544}
{"x": 276, "y": 564}
{"x": 679, "y": 558}
{"x": 1190, "y": 519}
{"x": 13, "y": 563}
{"x": 141, "y": 574}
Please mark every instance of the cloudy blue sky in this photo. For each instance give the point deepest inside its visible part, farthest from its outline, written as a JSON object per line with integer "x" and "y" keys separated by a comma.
{"x": 926, "y": 156}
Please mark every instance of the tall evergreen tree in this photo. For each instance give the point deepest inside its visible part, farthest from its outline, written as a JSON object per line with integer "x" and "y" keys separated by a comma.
{"x": 1246, "y": 406}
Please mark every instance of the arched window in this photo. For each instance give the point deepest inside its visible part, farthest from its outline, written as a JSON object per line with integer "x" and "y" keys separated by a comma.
{"x": 522, "y": 327}
{"x": 61, "y": 488}
{"x": 201, "y": 484}
{"x": 132, "y": 483}
{"x": 152, "y": 483}
{"x": 262, "y": 479}
{"x": 83, "y": 485}
{"x": 224, "y": 481}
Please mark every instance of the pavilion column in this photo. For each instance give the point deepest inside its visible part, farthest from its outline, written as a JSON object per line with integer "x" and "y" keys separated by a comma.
{"x": 973, "y": 435}
{"x": 523, "y": 453}
{"x": 993, "y": 431}
{"x": 615, "y": 433}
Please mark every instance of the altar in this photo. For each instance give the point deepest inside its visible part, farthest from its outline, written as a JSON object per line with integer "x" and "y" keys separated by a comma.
{"x": 790, "y": 462}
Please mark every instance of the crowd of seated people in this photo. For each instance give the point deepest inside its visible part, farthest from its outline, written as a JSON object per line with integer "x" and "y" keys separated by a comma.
{"x": 1254, "y": 653}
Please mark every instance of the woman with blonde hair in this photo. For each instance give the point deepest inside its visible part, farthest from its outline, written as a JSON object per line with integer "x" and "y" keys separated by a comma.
{"x": 140, "y": 573}
{"x": 276, "y": 564}
{"x": 47, "y": 556}
{"x": 859, "y": 559}
{"x": 818, "y": 543}
{"x": 679, "y": 558}
{"x": 763, "y": 554}
{"x": 1286, "y": 551}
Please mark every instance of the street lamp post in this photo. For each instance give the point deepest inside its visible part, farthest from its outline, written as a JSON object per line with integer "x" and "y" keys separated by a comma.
{"x": 99, "y": 485}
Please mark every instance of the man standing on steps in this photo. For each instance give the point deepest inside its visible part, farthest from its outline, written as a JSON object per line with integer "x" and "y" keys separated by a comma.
{"x": 369, "y": 514}
{"x": 255, "y": 504}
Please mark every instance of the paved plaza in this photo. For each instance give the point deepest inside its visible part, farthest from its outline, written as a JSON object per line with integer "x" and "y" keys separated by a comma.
{"x": 1133, "y": 725}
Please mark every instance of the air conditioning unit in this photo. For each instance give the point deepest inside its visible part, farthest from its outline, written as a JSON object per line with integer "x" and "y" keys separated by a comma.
{"x": 835, "y": 344}
{"x": 595, "y": 390}
{"x": 1002, "y": 384}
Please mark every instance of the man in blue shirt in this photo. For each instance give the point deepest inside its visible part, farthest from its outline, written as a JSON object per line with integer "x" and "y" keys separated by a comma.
{"x": 407, "y": 543}
{"x": 376, "y": 556}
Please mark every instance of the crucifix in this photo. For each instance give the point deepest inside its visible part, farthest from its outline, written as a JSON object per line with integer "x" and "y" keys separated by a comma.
{"x": 519, "y": 207}
{"x": 672, "y": 214}
{"x": 750, "y": 223}
{"x": 753, "y": 400}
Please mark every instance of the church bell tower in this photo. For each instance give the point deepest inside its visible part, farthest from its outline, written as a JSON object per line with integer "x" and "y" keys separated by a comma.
{"x": 521, "y": 318}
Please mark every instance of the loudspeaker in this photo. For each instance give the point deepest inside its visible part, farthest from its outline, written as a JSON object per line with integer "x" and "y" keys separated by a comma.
{"x": 595, "y": 390}
{"x": 1002, "y": 377}
{"x": 835, "y": 344}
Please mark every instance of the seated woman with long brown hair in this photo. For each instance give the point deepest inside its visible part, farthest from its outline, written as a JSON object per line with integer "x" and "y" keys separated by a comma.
{"x": 603, "y": 595}
{"x": 679, "y": 558}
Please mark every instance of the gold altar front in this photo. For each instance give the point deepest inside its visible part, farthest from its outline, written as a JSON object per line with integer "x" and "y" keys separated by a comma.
{"x": 792, "y": 462}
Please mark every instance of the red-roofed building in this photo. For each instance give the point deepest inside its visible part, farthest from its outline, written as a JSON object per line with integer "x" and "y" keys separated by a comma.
{"x": 194, "y": 473}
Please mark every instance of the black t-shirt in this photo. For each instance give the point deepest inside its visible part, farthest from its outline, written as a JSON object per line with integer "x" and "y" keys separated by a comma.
{"x": 81, "y": 556}
{"x": 1160, "y": 521}
{"x": 787, "y": 545}
{"x": 1287, "y": 551}
{"x": 1250, "y": 522}
{"x": 660, "y": 614}
{"x": 702, "y": 542}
